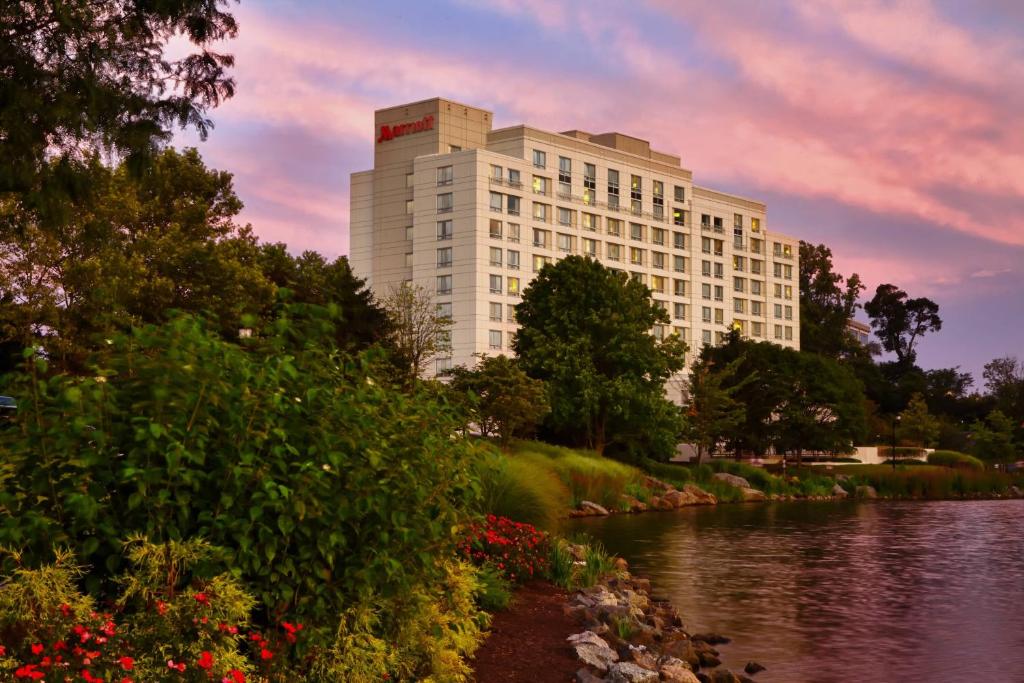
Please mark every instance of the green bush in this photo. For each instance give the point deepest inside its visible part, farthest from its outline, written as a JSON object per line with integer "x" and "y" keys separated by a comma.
{"x": 587, "y": 476}
{"x": 495, "y": 593}
{"x": 515, "y": 488}
{"x": 677, "y": 475}
{"x": 901, "y": 452}
{"x": 955, "y": 459}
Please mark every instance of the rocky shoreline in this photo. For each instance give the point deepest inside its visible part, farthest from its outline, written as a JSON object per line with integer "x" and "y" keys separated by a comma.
{"x": 630, "y": 636}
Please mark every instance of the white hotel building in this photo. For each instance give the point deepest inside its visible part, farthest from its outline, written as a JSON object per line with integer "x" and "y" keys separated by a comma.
{"x": 473, "y": 213}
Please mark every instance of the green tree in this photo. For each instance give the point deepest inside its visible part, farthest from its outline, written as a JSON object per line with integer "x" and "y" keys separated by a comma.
{"x": 1004, "y": 379}
{"x": 586, "y": 331}
{"x": 827, "y": 301}
{"x": 418, "y": 332}
{"x": 917, "y": 425}
{"x": 712, "y": 412}
{"x": 506, "y": 402}
{"x": 900, "y": 322}
{"x": 993, "y": 438}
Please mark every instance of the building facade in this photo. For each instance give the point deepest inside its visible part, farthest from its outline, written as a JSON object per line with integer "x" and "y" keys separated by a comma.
{"x": 473, "y": 213}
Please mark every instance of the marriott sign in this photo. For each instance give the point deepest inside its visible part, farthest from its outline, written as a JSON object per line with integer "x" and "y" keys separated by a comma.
{"x": 398, "y": 130}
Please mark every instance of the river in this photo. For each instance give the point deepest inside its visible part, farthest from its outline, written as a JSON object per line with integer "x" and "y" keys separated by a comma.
{"x": 830, "y": 592}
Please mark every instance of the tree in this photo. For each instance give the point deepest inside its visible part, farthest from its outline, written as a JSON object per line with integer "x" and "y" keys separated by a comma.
{"x": 712, "y": 412}
{"x": 1004, "y": 379}
{"x": 505, "y": 401}
{"x": 993, "y": 438}
{"x": 825, "y": 304}
{"x": 917, "y": 425}
{"x": 900, "y": 322}
{"x": 586, "y": 331}
{"x": 81, "y": 77}
{"x": 418, "y": 333}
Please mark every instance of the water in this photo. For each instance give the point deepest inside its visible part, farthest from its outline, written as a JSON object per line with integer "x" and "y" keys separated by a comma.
{"x": 823, "y": 592}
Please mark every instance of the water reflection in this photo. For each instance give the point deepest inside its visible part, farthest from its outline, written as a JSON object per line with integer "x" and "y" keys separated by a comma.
{"x": 843, "y": 591}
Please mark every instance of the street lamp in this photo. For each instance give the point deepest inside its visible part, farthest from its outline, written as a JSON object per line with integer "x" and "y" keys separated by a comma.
{"x": 895, "y": 421}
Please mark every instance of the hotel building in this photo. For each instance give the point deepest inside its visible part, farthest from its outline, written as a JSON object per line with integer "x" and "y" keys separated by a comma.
{"x": 473, "y": 213}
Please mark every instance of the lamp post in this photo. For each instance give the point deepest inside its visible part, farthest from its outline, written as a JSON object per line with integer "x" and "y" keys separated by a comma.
{"x": 895, "y": 421}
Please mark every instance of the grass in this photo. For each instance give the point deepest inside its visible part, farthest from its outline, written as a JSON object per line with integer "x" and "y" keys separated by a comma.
{"x": 586, "y": 475}
{"x": 517, "y": 489}
{"x": 926, "y": 481}
{"x": 955, "y": 459}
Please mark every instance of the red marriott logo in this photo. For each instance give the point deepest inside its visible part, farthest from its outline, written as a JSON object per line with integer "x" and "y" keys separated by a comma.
{"x": 392, "y": 132}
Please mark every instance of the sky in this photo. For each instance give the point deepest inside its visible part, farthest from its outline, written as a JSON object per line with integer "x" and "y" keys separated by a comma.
{"x": 893, "y": 132}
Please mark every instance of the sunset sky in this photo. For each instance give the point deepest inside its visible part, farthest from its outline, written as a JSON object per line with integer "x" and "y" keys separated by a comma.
{"x": 893, "y": 132}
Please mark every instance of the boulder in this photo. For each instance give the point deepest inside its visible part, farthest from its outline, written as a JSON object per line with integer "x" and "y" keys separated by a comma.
{"x": 732, "y": 480}
{"x": 677, "y": 499}
{"x": 723, "y": 676}
{"x": 586, "y": 676}
{"x": 620, "y": 564}
{"x": 656, "y": 484}
{"x": 700, "y": 496}
{"x": 678, "y": 673}
{"x": 868, "y": 492}
{"x": 633, "y": 504}
{"x": 628, "y": 672}
{"x": 662, "y": 503}
{"x": 593, "y": 650}
{"x": 593, "y": 508}
{"x": 1016, "y": 492}
{"x": 752, "y": 668}
{"x": 683, "y": 649}
{"x": 643, "y": 657}
{"x": 839, "y": 492}
{"x": 752, "y": 495}
{"x": 708, "y": 660}
{"x": 711, "y": 638}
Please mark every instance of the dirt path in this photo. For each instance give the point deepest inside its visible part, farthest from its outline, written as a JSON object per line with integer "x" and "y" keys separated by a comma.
{"x": 527, "y": 641}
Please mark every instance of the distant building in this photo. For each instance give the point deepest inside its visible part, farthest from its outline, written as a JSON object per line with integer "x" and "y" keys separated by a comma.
{"x": 860, "y": 331}
{"x": 472, "y": 213}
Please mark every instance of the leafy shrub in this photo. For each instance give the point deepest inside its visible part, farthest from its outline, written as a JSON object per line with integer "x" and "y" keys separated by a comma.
{"x": 587, "y": 475}
{"x": 561, "y": 569}
{"x": 513, "y": 488}
{"x": 955, "y": 459}
{"x": 495, "y": 592}
{"x": 519, "y": 551}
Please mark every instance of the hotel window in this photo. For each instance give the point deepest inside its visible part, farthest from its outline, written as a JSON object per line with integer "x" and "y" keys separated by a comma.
{"x": 513, "y": 203}
{"x": 444, "y": 284}
{"x": 636, "y": 187}
{"x": 497, "y": 172}
{"x": 739, "y": 284}
{"x": 787, "y": 250}
{"x": 409, "y": 179}
{"x": 658, "y": 332}
{"x": 778, "y": 291}
{"x": 777, "y": 269}
{"x": 705, "y": 245}
{"x": 444, "y": 257}
{"x": 755, "y": 308}
{"x": 637, "y": 276}
{"x": 756, "y": 329}
{"x": 565, "y": 175}
{"x": 444, "y": 202}
{"x": 777, "y": 249}
{"x": 513, "y": 286}
{"x": 789, "y": 292}
{"x": 541, "y": 212}
{"x": 539, "y": 262}
{"x": 658, "y": 235}
{"x": 408, "y": 233}
{"x": 658, "y": 199}
{"x": 540, "y": 185}
{"x": 636, "y": 256}
{"x": 566, "y": 216}
{"x": 444, "y": 175}
{"x": 705, "y": 336}
{"x": 789, "y": 333}
{"x": 495, "y": 311}
{"x": 495, "y": 284}
{"x": 737, "y": 221}
{"x": 565, "y": 242}
{"x": 496, "y": 202}
{"x": 513, "y": 177}
{"x": 679, "y": 193}
{"x": 778, "y": 311}
{"x": 513, "y": 259}
{"x": 718, "y": 224}
{"x": 636, "y": 231}
{"x": 678, "y": 216}
{"x": 614, "y": 227}
{"x": 787, "y": 271}
{"x": 681, "y": 331}
{"x": 590, "y": 176}
{"x": 510, "y": 311}
{"x": 590, "y": 222}
{"x": 739, "y": 263}
{"x": 496, "y": 256}
{"x": 540, "y": 158}
{"x": 658, "y": 284}
{"x": 679, "y": 287}
{"x": 614, "y": 252}
{"x": 513, "y": 232}
{"x": 494, "y": 339}
{"x": 755, "y": 266}
{"x": 739, "y": 305}
{"x": 755, "y": 245}
{"x": 679, "y": 311}
{"x": 496, "y": 228}
{"x": 408, "y": 259}
{"x": 442, "y": 365}
{"x": 719, "y": 268}
{"x": 409, "y": 206}
{"x": 590, "y": 247}
{"x": 705, "y": 221}
{"x": 719, "y": 293}
{"x": 541, "y": 238}
{"x": 705, "y": 291}
{"x": 678, "y": 240}
{"x": 778, "y": 331}
{"x": 613, "y": 188}
{"x": 444, "y": 230}
{"x": 719, "y": 316}
{"x": 444, "y": 310}
{"x": 789, "y": 312}
{"x": 737, "y": 238}
{"x": 719, "y": 247}
{"x": 755, "y": 225}
{"x": 658, "y": 259}
{"x": 705, "y": 268}
{"x": 705, "y": 314}
{"x": 755, "y": 287}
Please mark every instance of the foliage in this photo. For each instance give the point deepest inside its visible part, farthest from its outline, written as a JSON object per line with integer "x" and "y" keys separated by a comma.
{"x": 518, "y": 550}
{"x": 993, "y": 438}
{"x": 495, "y": 592}
{"x": 418, "y": 333}
{"x": 712, "y": 411}
{"x": 1004, "y": 378}
{"x": 677, "y": 475}
{"x": 954, "y": 459}
{"x": 586, "y": 331}
{"x": 505, "y": 401}
{"x": 899, "y": 322}
{"x": 516, "y": 488}
{"x": 917, "y": 425}
{"x": 825, "y": 303}
{"x": 587, "y": 475}
{"x": 579, "y": 562}
{"x": 323, "y": 484}
{"x": 927, "y": 481}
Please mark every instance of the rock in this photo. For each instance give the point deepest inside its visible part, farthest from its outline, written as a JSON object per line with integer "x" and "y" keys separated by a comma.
{"x": 677, "y": 499}
{"x": 732, "y": 480}
{"x": 593, "y": 650}
{"x": 656, "y": 484}
{"x": 662, "y": 502}
{"x": 868, "y": 492}
{"x": 642, "y": 585}
{"x": 678, "y": 674}
{"x": 628, "y": 672}
{"x": 593, "y": 508}
{"x": 752, "y": 668}
{"x": 620, "y": 564}
{"x": 842, "y": 477}
{"x": 708, "y": 660}
{"x": 684, "y": 650}
{"x": 633, "y": 504}
{"x": 1016, "y": 492}
{"x": 711, "y": 638}
{"x": 723, "y": 676}
{"x": 643, "y": 657}
{"x": 700, "y": 496}
{"x": 839, "y": 492}
{"x": 752, "y": 495}
{"x": 585, "y": 676}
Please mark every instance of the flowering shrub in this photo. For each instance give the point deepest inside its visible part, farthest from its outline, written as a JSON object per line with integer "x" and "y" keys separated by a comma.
{"x": 518, "y": 550}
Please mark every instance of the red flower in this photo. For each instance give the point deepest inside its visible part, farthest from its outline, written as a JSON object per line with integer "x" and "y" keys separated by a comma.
{"x": 127, "y": 663}
{"x": 234, "y": 676}
{"x": 90, "y": 678}
{"x": 180, "y": 666}
{"x": 37, "y": 649}
{"x": 205, "y": 660}
{"x": 266, "y": 654}
{"x": 161, "y": 607}
{"x": 65, "y": 610}
{"x": 29, "y": 671}
{"x": 202, "y": 598}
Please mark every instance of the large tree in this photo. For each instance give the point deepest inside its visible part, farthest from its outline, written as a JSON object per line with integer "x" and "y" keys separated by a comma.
{"x": 712, "y": 411}
{"x": 418, "y": 332}
{"x": 900, "y": 322}
{"x": 827, "y": 301}
{"x": 586, "y": 330}
{"x": 917, "y": 426}
{"x": 1004, "y": 379}
{"x": 504, "y": 401}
